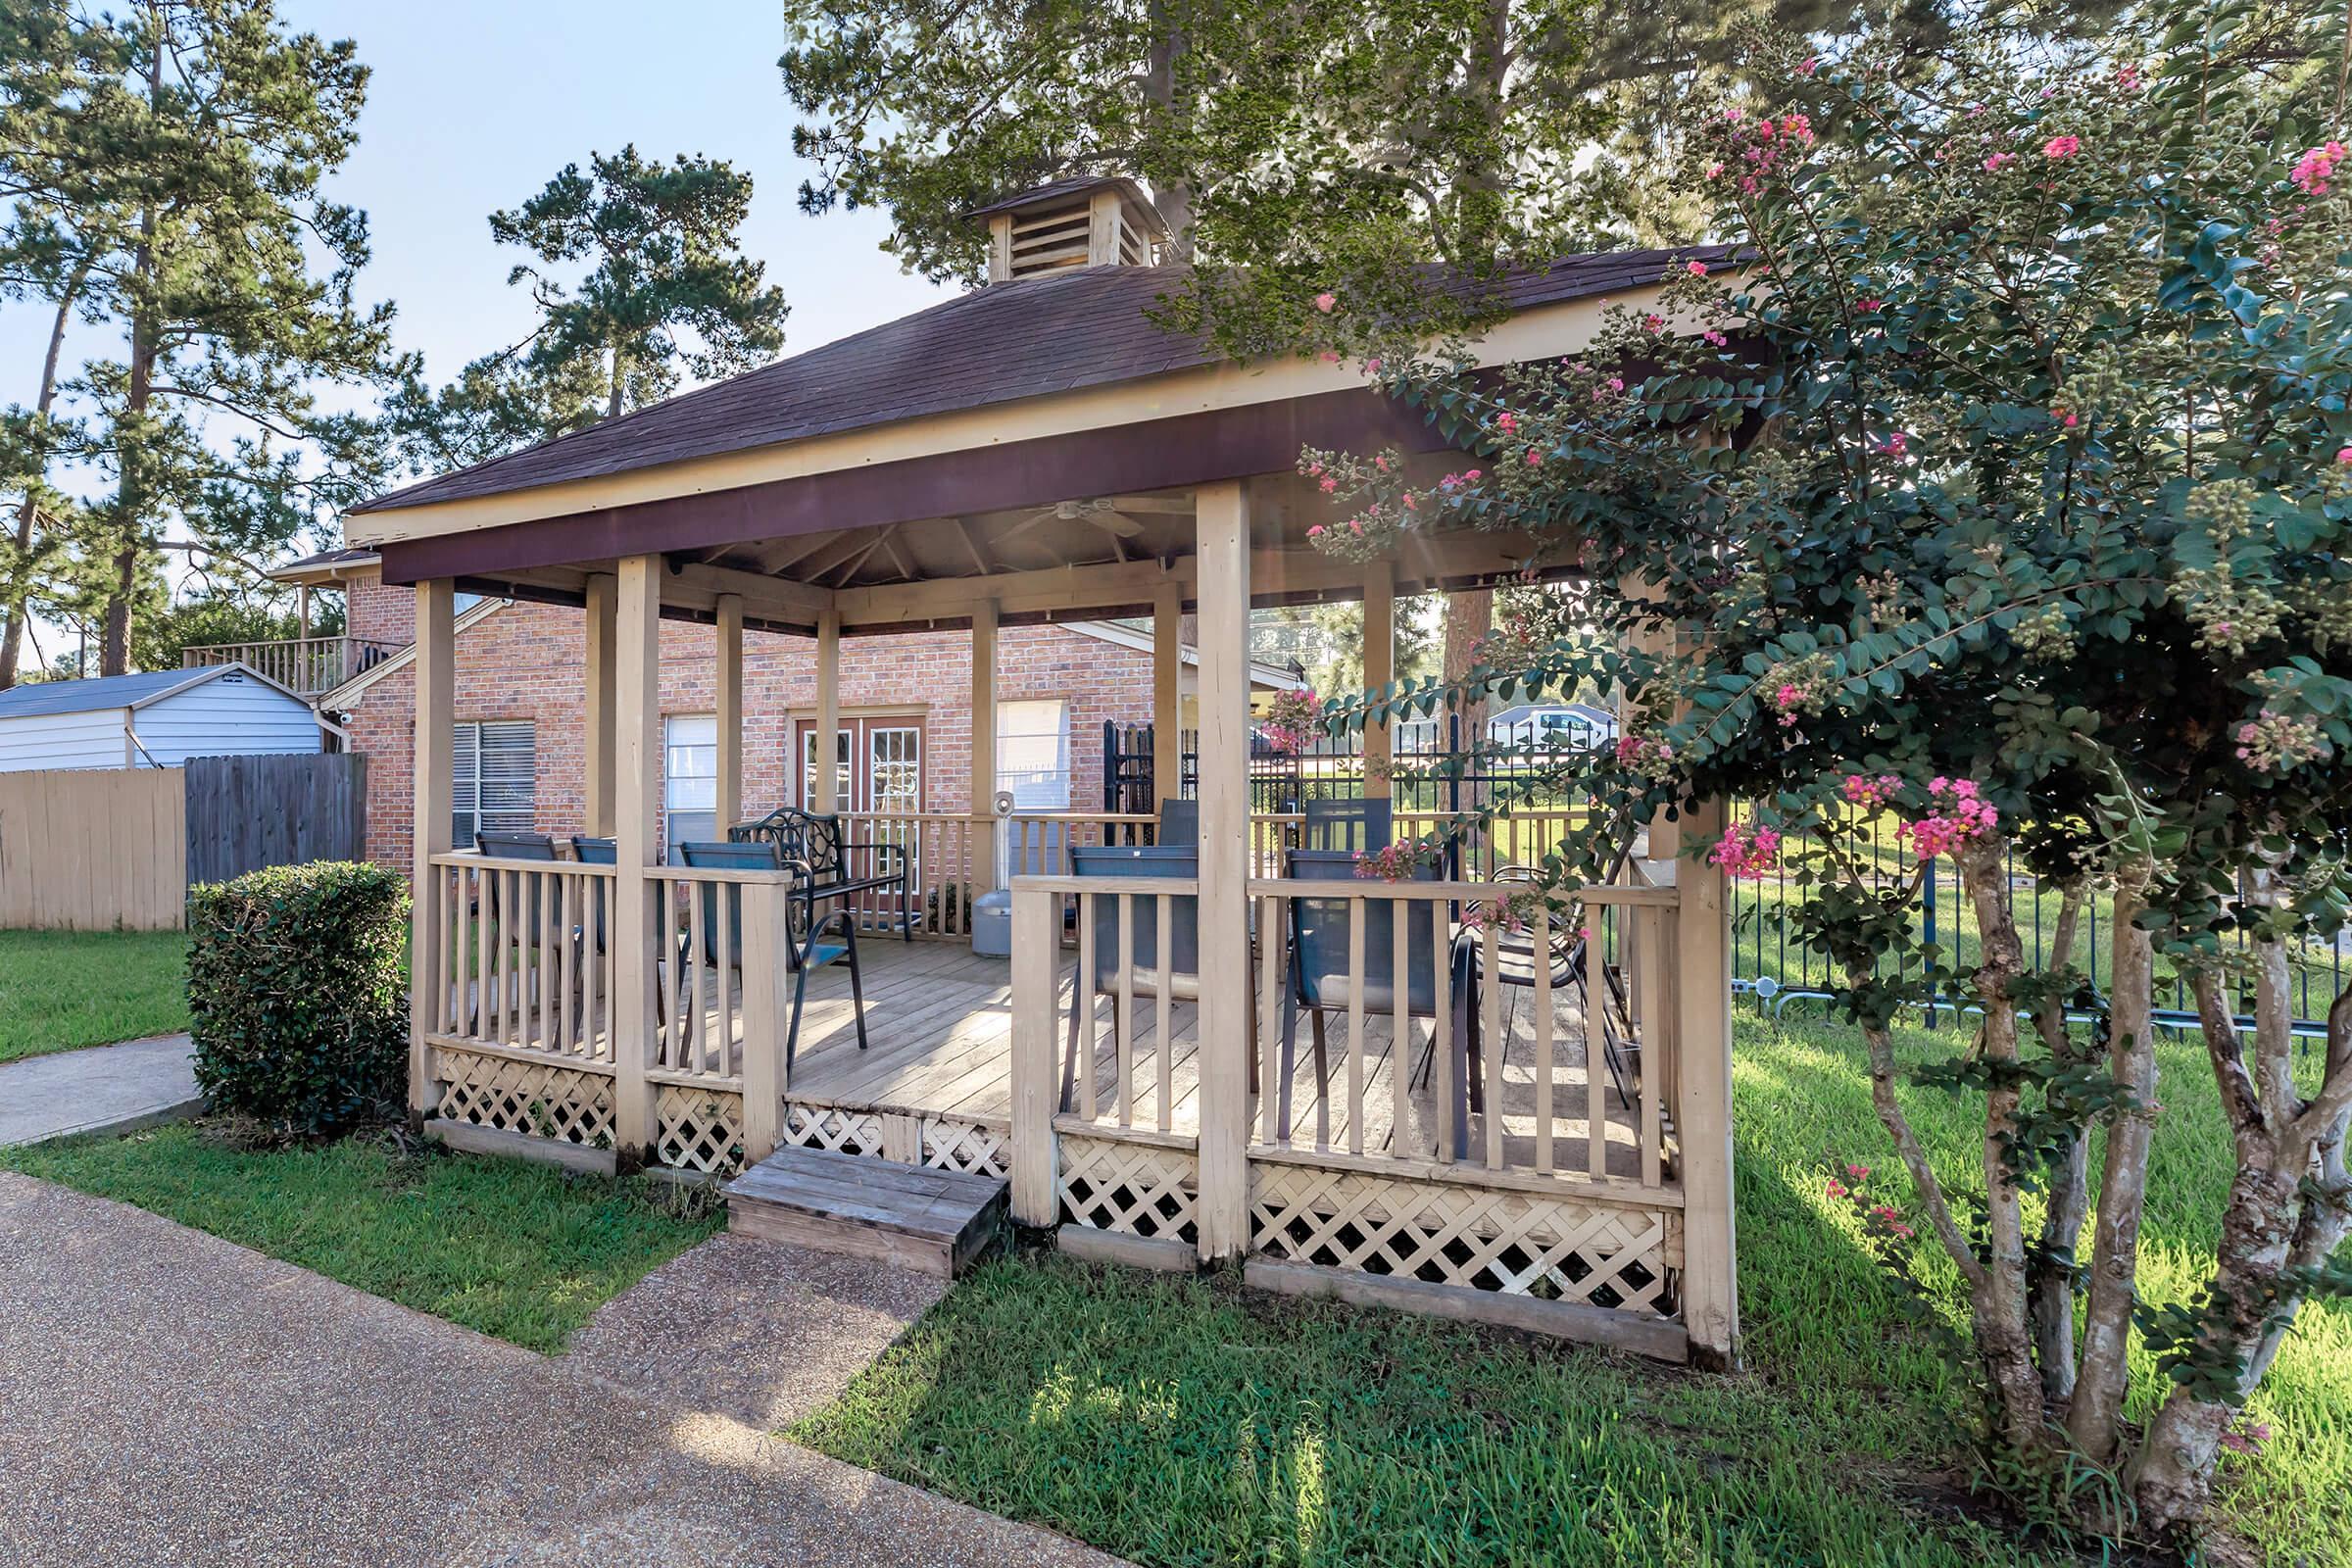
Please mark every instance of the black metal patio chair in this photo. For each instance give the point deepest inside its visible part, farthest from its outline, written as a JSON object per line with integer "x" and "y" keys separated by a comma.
{"x": 809, "y": 844}
{"x": 802, "y": 953}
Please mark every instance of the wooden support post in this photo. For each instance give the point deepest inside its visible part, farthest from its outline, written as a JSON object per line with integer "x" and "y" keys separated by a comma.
{"x": 1035, "y": 955}
{"x": 1380, "y": 667}
{"x": 637, "y": 804}
{"x": 983, "y": 724}
{"x": 302, "y": 612}
{"x": 728, "y": 793}
{"x": 432, "y": 828}
{"x": 766, "y": 1013}
{"x": 828, "y": 710}
{"x": 1710, "y": 1288}
{"x": 603, "y": 597}
{"x": 1223, "y": 551}
{"x": 1167, "y": 700}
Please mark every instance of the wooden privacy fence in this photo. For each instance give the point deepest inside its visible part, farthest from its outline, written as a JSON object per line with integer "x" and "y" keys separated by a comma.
{"x": 108, "y": 849}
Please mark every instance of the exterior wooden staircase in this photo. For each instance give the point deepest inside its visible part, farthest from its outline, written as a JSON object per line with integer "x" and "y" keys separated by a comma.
{"x": 936, "y": 1221}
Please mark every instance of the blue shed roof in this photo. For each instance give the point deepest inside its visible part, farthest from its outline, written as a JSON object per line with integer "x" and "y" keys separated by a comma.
{"x": 106, "y": 691}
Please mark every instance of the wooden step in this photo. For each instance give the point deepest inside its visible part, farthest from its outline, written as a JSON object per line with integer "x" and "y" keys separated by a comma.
{"x": 936, "y": 1221}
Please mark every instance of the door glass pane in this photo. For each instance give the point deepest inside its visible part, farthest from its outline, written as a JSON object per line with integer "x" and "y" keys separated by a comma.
{"x": 843, "y": 800}
{"x": 895, "y": 769}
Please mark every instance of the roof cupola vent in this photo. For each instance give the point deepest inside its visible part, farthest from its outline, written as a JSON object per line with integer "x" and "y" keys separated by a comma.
{"x": 1068, "y": 224}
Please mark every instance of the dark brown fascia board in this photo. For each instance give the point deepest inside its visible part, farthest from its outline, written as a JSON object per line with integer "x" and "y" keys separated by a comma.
{"x": 1185, "y": 449}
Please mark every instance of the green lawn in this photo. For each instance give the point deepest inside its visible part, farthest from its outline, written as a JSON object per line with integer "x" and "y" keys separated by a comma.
{"x": 520, "y": 1250}
{"x": 1177, "y": 1422}
{"x": 63, "y": 989}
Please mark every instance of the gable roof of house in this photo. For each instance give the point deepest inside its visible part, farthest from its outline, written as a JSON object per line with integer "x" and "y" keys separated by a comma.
{"x": 1060, "y": 332}
{"x": 52, "y": 697}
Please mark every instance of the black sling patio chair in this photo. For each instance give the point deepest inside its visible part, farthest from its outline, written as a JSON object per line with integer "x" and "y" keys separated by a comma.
{"x": 1179, "y": 824}
{"x": 1319, "y": 980}
{"x": 509, "y": 847}
{"x": 1179, "y": 971}
{"x": 802, "y": 953}
{"x": 811, "y": 846}
{"x": 1360, "y": 826}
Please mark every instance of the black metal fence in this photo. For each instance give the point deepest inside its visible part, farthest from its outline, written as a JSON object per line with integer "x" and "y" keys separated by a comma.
{"x": 1773, "y": 968}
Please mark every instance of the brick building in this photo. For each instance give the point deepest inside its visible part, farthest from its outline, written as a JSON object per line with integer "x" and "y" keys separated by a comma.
{"x": 906, "y": 713}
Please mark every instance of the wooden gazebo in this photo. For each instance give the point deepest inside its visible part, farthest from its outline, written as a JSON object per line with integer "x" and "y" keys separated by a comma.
{"x": 1033, "y": 450}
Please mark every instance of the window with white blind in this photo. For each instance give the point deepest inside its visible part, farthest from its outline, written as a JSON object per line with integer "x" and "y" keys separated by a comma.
{"x": 492, "y": 779}
{"x": 1033, "y": 754}
{"x": 690, "y": 780}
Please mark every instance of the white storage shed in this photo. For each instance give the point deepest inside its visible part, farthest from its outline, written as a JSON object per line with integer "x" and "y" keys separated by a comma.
{"x": 157, "y": 720}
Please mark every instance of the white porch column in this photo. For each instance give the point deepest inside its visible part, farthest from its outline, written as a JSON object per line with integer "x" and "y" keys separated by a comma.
{"x": 637, "y": 803}
{"x": 1167, "y": 700}
{"x": 984, "y": 723}
{"x": 1223, "y": 551}
{"x": 1702, "y": 1002}
{"x": 431, "y": 826}
{"x": 728, "y": 705}
{"x": 1380, "y": 667}
{"x": 828, "y": 710}
{"x": 603, "y": 596}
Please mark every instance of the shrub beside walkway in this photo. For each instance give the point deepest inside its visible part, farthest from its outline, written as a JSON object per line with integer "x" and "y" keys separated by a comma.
{"x": 172, "y": 1398}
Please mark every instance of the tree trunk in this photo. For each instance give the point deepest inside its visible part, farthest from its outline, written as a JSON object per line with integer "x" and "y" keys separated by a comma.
{"x": 1997, "y": 1300}
{"x": 621, "y": 374}
{"x": 1172, "y": 196}
{"x": 2290, "y": 1206}
{"x": 2104, "y": 1376}
{"x": 19, "y": 586}
{"x": 135, "y": 456}
{"x": 2050, "y": 1280}
{"x": 1469, "y": 617}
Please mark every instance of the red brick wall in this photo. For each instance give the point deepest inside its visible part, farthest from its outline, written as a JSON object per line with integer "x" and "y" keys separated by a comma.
{"x": 526, "y": 662}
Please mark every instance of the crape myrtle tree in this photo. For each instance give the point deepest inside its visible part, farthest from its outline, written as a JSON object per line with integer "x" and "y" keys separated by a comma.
{"x": 2003, "y": 488}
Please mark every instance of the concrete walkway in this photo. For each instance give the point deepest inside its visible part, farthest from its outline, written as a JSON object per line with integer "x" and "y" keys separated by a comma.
{"x": 97, "y": 1089}
{"x": 166, "y": 1396}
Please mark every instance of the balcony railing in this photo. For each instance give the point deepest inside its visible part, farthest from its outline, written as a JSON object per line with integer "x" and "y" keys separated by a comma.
{"x": 309, "y": 667}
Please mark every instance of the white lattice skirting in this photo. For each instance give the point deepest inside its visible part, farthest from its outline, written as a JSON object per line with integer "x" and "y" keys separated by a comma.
{"x": 1139, "y": 1188}
{"x": 967, "y": 1145}
{"x": 698, "y": 1129}
{"x": 845, "y": 1132}
{"x": 541, "y": 1101}
{"x": 1482, "y": 1238}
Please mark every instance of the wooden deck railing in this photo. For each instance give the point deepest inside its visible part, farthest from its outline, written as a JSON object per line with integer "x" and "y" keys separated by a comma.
{"x": 1502, "y": 1121}
{"x": 528, "y": 1040}
{"x": 308, "y": 666}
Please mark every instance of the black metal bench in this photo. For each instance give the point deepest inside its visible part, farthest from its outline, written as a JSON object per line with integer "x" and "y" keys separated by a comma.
{"x": 810, "y": 844}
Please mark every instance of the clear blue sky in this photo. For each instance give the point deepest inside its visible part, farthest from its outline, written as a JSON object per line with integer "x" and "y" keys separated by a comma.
{"x": 473, "y": 106}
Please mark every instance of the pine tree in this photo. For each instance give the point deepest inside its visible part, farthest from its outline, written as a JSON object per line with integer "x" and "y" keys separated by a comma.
{"x": 660, "y": 244}
{"x": 202, "y": 132}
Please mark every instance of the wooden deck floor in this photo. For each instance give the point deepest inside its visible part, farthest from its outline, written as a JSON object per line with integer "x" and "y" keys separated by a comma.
{"x": 939, "y": 1029}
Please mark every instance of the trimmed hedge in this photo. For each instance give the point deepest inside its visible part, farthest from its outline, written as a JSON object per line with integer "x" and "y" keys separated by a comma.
{"x": 296, "y": 993}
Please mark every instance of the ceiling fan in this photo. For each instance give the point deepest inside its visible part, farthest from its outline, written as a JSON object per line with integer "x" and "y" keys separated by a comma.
{"x": 1101, "y": 512}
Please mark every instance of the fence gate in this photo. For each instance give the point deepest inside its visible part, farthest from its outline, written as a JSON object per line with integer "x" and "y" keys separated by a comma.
{"x": 245, "y": 812}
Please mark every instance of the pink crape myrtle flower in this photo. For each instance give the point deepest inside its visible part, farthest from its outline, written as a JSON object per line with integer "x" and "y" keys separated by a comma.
{"x": 1696, "y": 268}
{"x": 1746, "y": 852}
{"x": 1506, "y": 421}
{"x": 1860, "y": 789}
{"x": 2059, "y": 148}
{"x": 1958, "y": 816}
{"x": 2343, "y": 455}
{"x": 2317, "y": 167}
{"x": 1327, "y": 301}
{"x": 1998, "y": 162}
{"x": 1654, "y": 323}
